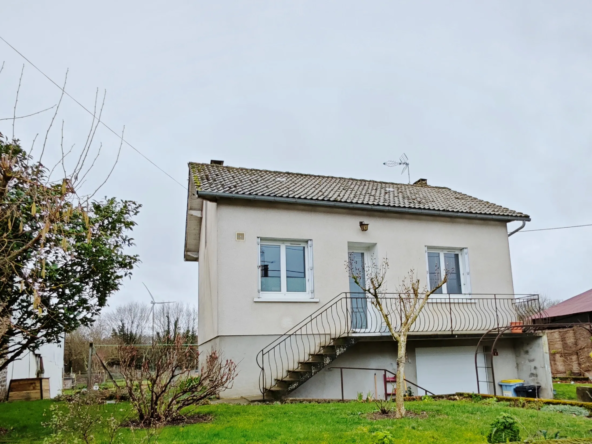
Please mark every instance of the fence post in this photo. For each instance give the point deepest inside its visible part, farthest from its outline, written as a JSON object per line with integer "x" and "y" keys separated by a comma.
{"x": 89, "y": 367}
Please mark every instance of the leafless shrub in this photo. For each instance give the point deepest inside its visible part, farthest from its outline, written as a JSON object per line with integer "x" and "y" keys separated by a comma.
{"x": 161, "y": 379}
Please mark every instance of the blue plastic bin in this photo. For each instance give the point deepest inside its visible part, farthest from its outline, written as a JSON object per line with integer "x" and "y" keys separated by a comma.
{"x": 509, "y": 386}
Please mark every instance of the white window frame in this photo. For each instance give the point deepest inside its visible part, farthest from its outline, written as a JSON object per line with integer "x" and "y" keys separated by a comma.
{"x": 463, "y": 261}
{"x": 284, "y": 295}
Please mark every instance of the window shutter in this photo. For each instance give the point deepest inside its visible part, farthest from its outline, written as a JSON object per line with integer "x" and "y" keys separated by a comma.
{"x": 259, "y": 266}
{"x": 467, "y": 271}
{"x": 310, "y": 270}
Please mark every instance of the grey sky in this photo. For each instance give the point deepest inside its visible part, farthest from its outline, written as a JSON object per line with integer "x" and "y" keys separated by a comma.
{"x": 488, "y": 98}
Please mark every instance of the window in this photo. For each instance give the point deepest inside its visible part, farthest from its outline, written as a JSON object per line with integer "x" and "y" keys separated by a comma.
{"x": 453, "y": 262}
{"x": 285, "y": 269}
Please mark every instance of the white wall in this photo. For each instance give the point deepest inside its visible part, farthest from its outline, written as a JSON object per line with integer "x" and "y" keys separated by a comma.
{"x": 208, "y": 274}
{"x": 533, "y": 363}
{"x": 231, "y": 321}
{"x": 403, "y": 238}
{"x": 53, "y": 364}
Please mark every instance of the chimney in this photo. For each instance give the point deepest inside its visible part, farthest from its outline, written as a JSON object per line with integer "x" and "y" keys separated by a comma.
{"x": 217, "y": 162}
{"x": 421, "y": 183}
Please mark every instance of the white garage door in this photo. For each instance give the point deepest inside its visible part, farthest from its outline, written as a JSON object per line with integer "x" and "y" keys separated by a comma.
{"x": 444, "y": 370}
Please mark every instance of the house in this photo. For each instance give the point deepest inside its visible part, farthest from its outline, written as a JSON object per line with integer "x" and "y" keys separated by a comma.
{"x": 575, "y": 309}
{"x": 275, "y": 297}
{"x": 569, "y": 344}
{"x": 46, "y": 362}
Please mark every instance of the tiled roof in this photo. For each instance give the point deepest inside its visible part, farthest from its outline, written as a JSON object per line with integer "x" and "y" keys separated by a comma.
{"x": 244, "y": 182}
{"x": 581, "y": 303}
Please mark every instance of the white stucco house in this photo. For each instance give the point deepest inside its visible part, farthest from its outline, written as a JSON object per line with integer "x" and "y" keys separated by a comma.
{"x": 45, "y": 362}
{"x": 275, "y": 297}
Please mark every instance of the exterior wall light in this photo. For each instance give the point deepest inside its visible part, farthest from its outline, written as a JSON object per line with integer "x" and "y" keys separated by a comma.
{"x": 364, "y": 226}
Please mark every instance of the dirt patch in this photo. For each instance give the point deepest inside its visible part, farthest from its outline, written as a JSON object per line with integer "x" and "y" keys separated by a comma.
{"x": 408, "y": 414}
{"x": 3, "y": 431}
{"x": 179, "y": 421}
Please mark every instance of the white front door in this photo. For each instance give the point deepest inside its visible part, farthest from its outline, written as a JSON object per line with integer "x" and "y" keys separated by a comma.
{"x": 446, "y": 370}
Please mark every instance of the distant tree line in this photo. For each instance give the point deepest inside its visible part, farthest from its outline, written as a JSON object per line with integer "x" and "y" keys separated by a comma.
{"x": 129, "y": 324}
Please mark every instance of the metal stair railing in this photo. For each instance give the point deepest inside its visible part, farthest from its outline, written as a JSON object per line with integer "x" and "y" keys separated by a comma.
{"x": 355, "y": 314}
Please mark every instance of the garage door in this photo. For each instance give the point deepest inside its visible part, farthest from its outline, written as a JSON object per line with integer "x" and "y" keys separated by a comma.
{"x": 444, "y": 370}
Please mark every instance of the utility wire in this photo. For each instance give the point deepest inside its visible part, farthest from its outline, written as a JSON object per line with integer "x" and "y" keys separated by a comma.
{"x": 89, "y": 112}
{"x": 555, "y": 228}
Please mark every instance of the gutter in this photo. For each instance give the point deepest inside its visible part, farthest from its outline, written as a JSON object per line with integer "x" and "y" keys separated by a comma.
{"x": 207, "y": 195}
{"x": 518, "y": 229}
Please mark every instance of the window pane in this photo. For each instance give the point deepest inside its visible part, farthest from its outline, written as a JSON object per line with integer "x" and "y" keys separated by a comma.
{"x": 454, "y": 284}
{"x": 271, "y": 274}
{"x": 435, "y": 271}
{"x": 295, "y": 268}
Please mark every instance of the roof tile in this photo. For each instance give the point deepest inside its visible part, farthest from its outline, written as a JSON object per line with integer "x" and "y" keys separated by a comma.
{"x": 252, "y": 182}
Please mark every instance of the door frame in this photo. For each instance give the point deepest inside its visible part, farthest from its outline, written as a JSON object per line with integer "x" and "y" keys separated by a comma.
{"x": 370, "y": 329}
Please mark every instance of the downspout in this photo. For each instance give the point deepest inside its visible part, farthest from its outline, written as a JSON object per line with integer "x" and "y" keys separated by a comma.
{"x": 518, "y": 229}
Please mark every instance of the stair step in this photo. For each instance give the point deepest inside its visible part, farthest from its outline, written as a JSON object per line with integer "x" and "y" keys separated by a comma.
{"x": 342, "y": 341}
{"x": 287, "y": 383}
{"x": 308, "y": 368}
{"x": 329, "y": 350}
{"x": 299, "y": 374}
{"x": 288, "y": 380}
{"x": 309, "y": 365}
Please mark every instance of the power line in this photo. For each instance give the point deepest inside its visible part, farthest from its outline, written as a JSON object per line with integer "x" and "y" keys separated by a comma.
{"x": 89, "y": 112}
{"x": 556, "y": 228}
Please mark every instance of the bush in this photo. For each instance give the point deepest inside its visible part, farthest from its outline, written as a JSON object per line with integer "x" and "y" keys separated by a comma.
{"x": 383, "y": 437}
{"x": 476, "y": 398}
{"x": 567, "y": 409}
{"x": 504, "y": 429}
{"x": 79, "y": 420}
{"x": 161, "y": 380}
{"x": 385, "y": 406}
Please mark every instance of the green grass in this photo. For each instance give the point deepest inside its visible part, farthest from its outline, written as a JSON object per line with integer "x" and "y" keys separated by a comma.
{"x": 447, "y": 422}
{"x": 567, "y": 391}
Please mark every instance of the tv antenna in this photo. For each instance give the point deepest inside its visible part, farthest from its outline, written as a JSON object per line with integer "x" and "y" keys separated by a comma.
{"x": 154, "y": 303}
{"x": 403, "y": 160}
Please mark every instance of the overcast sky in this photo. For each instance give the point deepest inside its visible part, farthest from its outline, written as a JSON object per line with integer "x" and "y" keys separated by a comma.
{"x": 492, "y": 99}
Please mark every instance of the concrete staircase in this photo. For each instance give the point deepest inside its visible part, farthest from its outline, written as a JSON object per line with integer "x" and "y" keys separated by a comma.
{"x": 307, "y": 369}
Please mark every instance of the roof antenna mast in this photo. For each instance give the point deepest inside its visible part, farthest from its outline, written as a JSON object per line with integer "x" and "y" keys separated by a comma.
{"x": 403, "y": 160}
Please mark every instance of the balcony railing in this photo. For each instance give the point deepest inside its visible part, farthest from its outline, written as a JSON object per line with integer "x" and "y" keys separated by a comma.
{"x": 355, "y": 314}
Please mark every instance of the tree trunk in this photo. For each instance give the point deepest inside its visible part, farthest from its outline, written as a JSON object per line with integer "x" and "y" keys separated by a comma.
{"x": 400, "y": 395}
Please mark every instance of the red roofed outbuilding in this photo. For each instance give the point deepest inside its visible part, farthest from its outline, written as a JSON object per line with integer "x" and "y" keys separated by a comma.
{"x": 576, "y": 309}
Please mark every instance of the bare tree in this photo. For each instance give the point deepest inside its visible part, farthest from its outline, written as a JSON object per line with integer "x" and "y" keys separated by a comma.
{"x": 371, "y": 278}
{"x": 129, "y": 322}
{"x": 545, "y": 302}
{"x": 172, "y": 320}
{"x": 77, "y": 343}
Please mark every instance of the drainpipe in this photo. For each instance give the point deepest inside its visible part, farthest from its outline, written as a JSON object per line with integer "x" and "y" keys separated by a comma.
{"x": 517, "y": 229}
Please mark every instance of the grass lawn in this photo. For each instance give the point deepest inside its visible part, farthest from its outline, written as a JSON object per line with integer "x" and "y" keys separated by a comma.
{"x": 567, "y": 391}
{"x": 447, "y": 422}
